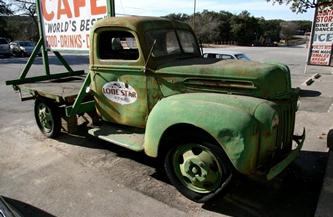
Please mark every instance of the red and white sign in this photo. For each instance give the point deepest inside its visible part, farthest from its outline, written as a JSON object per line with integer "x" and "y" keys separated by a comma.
{"x": 119, "y": 92}
{"x": 322, "y": 38}
{"x": 67, "y": 23}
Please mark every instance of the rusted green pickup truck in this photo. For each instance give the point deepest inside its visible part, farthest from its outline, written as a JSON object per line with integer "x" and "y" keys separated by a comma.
{"x": 204, "y": 118}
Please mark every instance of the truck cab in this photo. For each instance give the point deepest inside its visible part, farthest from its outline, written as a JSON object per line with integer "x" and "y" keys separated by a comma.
{"x": 127, "y": 52}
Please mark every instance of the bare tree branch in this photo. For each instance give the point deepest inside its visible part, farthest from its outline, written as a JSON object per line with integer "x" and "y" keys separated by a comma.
{"x": 5, "y": 8}
{"x": 27, "y": 8}
{"x": 301, "y": 6}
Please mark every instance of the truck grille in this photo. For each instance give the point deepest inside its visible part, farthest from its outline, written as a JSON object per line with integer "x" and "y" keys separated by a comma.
{"x": 285, "y": 132}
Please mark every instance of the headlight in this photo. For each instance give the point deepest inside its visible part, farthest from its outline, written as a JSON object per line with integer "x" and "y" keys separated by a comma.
{"x": 22, "y": 48}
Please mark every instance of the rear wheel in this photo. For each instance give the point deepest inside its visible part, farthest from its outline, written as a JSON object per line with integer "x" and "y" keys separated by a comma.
{"x": 47, "y": 118}
{"x": 198, "y": 170}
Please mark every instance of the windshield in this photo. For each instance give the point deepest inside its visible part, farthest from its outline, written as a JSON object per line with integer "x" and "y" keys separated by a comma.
{"x": 167, "y": 42}
{"x": 242, "y": 57}
{"x": 26, "y": 44}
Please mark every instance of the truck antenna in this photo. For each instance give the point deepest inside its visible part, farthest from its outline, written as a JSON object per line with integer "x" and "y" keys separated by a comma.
{"x": 150, "y": 54}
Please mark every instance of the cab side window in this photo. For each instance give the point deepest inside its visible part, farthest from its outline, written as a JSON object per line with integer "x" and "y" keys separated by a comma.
{"x": 118, "y": 45}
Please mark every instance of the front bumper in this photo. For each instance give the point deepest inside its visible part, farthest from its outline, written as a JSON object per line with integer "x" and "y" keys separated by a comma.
{"x": 279, "y": 167}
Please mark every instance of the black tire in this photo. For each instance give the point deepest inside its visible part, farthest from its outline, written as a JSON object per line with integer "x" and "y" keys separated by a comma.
{"x": 47, "y": 118}
{"x": 199, "y": 191}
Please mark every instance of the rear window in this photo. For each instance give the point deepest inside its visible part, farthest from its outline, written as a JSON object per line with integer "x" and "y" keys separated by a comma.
{"x": 3, "y": 41}
{"x": 119, "y": 45}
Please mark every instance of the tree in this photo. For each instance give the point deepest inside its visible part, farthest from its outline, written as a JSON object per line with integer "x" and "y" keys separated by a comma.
{"x": 224, "y": 27}
{"x": 206, "y": 26}
{"x": 4, "y": 10}
{"x": 304, "y": 25}
{"x": 245, "y": 28}
{"x": 301, "y": 6}
{"x": 270, "y": 31}
{"x": 26, "y": 8}
{"x": 288, "y": 30}
{"x": 178, "y": 17}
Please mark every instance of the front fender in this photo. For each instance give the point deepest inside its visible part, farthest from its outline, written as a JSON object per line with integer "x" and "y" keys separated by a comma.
{"x": 233, "y": 127}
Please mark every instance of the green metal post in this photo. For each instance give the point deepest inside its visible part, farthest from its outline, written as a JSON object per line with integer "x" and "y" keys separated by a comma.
{"x": 42, "y": 37}
{"x": 79, "y": 106}
{"x": 31, "y": 59}
{"x": 63, "y": 61}
{"x": 111, "y": 8}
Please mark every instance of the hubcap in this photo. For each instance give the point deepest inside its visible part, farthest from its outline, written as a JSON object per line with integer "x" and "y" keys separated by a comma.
{"x": 197, "y": 168}
{"x": 45, "y": 117}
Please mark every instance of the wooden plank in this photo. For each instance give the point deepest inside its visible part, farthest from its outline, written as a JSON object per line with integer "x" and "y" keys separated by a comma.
{"x": 65, "y": 89}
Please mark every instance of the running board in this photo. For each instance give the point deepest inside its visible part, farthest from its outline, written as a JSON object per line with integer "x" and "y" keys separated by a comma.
{"x": 127, "y": 137}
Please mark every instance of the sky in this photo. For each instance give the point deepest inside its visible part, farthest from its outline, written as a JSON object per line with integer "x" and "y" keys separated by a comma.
{"x": 257, "y": 8}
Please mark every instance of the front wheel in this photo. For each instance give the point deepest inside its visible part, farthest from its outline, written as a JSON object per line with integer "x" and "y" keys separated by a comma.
{"x": 47, "y": 118}
{"x": 198, "y": 170}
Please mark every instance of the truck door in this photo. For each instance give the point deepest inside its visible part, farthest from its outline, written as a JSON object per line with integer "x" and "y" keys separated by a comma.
{"x": 118, "y": 78}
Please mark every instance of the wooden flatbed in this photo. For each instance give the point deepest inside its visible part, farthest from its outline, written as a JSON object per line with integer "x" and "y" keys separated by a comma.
{"x": 63, "y": 90}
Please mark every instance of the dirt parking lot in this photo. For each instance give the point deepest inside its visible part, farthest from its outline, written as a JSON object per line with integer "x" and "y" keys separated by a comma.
{"x": 76, "y": 175}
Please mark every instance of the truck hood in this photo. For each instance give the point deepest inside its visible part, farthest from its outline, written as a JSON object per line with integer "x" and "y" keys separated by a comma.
{"x": 256, "y": 79}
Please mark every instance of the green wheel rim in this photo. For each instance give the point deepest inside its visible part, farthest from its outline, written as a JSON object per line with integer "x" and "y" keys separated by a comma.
{"x": 45, "y": 117}
{"x": 197, "y": 168}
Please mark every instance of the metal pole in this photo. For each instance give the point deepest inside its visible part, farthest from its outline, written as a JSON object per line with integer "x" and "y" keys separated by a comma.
{"x": 42, "y": 37}
{"x": 310, "y": 41}
{"x": 194, "y": 9}
{"x": 111, "y": 8}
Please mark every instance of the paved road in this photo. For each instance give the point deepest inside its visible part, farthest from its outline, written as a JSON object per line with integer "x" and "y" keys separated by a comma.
{"x": 79, "y": 176}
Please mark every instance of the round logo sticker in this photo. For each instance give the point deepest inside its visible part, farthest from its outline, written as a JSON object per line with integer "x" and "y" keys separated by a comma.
{"x": 119, "y": 92}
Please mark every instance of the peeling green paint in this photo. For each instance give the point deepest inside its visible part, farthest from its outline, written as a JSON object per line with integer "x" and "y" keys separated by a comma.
{"x": 238, "y": 103}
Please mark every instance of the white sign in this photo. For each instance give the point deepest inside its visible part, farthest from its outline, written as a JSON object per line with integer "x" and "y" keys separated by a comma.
{"x": 322, "y": 38}
{"x": 119, "y": 92}
{"x": 67, "y": 23}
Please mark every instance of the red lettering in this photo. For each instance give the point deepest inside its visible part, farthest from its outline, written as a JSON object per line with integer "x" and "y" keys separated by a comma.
{"x": 52, "y": 41}
{"x": 64, "y": 11}
{"x": 46, "y": 15}
{"x": 70, "y": 41}
{"x": 77, "y": 5}
{"x": 95, "y": 10}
